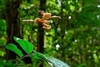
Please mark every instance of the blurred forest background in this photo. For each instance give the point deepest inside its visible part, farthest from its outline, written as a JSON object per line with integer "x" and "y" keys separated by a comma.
{"x": 74, "y": 39}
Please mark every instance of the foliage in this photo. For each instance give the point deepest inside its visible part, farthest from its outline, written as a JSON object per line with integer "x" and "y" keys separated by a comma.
{"x": 6, "y": 64}
{"x": 24, "y": 44}
{"x": 77, "y": 33}
{"x": 27, "y": 46}
{"x": 14, "y": 48}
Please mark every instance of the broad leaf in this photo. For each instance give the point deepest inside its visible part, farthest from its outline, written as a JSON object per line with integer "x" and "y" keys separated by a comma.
{"x": 53, "y": 62}
{"x": 38, "y": 55}
{"x": 14, "y": 48}
{"x": 26, "y": 46}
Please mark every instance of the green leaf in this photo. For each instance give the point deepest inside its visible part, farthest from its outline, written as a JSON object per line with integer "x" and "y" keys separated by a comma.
{"x": 53, "y": 62}
{"x": 26, "y": 46}
{"x": 38, "y": 55}
{"x": 2, "y": 63}
{"x": 9, "y": 64}
{"x": 14, "y": 48}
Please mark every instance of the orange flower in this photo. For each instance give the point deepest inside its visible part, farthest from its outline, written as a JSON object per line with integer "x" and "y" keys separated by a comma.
{"x": 45, "y": 19}
{"x": 45, "y": 16}
{"x": 42, "y": 21}
{"x": 46, "y": 26}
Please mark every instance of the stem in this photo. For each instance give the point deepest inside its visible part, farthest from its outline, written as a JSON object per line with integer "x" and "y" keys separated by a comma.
{"x": 23, "y": 58}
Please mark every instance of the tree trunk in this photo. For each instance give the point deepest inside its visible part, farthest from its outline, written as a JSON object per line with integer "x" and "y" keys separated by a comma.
{"x": 13, "y": 23}
{"x": 40, "y": 45}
